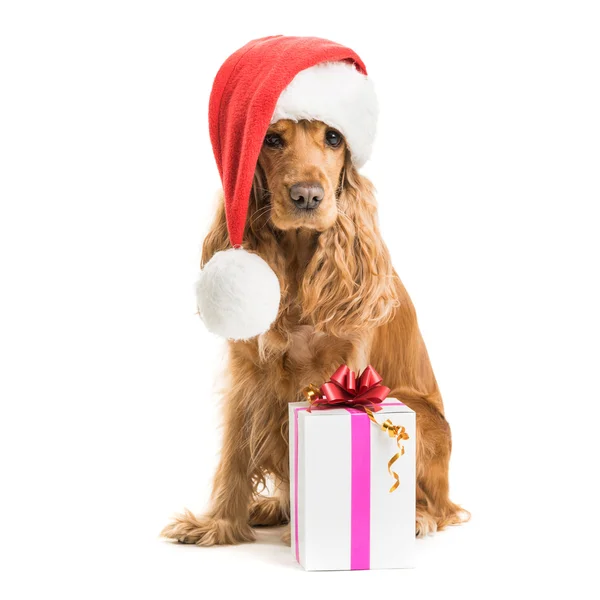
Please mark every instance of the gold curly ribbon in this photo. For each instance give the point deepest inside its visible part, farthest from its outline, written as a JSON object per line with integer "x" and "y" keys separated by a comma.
{"x": 394, "y": 431}
{"x": 312, "y": 393}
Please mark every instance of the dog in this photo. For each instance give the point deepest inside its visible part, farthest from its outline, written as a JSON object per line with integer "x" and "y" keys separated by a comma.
{"x": 313, "y": 218}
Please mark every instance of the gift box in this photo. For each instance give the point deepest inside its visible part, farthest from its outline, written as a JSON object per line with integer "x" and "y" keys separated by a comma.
{"x": 352, "y": 485}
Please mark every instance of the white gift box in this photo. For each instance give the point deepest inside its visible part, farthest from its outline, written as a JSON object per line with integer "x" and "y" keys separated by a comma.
{"x": 343, "y": 515}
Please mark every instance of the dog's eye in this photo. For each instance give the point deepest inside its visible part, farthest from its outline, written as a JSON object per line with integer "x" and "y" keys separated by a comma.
{"x": 333, "y": 138}
{"x": 273, "y": 140}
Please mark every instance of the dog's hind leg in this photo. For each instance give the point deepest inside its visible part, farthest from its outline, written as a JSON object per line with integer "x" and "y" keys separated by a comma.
{"x": 227, "y": 520}
{"x": 272, "y": 510}
{"x": 434, "y": 509}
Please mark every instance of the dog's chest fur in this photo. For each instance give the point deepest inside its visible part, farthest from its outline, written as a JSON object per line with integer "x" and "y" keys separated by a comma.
{"x": 305, "y": 343}
{"x": 310, "y": 356}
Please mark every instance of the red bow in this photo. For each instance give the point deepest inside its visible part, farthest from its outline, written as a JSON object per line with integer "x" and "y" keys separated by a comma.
{"x": 344, "y": 387}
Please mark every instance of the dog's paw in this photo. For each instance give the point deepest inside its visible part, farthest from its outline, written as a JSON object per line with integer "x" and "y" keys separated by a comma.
{"x": 286, "y": 536}
{"x": 268, "y": 511}
{"x": 425, "y": 525}
{"x": 207, "y": 531}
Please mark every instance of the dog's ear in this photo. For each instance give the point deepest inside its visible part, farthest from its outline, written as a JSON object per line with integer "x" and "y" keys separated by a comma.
{"x": 350, "y": 283}
{"x": 217, "y": 238}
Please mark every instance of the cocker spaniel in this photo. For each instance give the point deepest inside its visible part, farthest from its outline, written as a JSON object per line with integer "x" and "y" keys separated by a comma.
{"x": 313, "y": 218}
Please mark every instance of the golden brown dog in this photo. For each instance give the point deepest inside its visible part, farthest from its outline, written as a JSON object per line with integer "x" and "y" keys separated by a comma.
{"x": 313, "y": 218}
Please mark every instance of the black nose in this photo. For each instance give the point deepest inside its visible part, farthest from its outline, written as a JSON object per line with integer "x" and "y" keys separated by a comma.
{"x": 307, "y": 196}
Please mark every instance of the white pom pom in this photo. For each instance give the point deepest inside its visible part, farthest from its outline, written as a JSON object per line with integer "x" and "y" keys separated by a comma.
{"x": 238, "y": 294}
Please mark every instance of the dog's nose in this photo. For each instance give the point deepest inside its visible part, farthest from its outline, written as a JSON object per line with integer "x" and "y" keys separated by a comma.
{"x": 307, "y": 196}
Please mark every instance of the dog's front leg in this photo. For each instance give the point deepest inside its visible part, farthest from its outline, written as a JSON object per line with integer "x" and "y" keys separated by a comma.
{"x": 359, "y": 357}
{"x": 227, "y": 520}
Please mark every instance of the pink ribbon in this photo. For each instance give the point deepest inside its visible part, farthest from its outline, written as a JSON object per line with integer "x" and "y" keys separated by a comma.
{"x": 360, "y": 508}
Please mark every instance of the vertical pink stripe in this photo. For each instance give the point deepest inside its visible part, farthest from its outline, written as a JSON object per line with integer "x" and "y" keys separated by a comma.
{"x": 296, "y": 410}
{"x": 360, "y": 526}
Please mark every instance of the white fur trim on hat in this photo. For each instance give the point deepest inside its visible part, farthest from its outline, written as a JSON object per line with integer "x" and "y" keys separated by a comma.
{"x": 339, "y": 95}
{"x": 238, "y": 294}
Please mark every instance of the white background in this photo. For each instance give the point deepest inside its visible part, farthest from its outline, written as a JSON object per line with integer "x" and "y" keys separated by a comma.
{"x": 487, "y": 169}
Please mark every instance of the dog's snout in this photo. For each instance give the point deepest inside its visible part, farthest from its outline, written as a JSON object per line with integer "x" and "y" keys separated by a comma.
{"x": 307, "y": 196}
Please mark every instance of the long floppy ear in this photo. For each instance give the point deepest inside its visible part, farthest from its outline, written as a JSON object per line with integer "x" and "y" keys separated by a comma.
{"x": 350, "y": 283}
{"x": 258, "y": 235}
{"x": 217, "y": 238}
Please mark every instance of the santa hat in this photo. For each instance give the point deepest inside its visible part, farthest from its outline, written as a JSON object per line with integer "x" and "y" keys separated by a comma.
{"x": 267, "y": 80}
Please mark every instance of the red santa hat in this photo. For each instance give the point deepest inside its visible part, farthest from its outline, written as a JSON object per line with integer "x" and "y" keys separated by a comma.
{"x": 267, "y": 80}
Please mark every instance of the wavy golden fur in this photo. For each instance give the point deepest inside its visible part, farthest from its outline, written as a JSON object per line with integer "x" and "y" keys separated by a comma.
{"x": 341, "y": 302}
